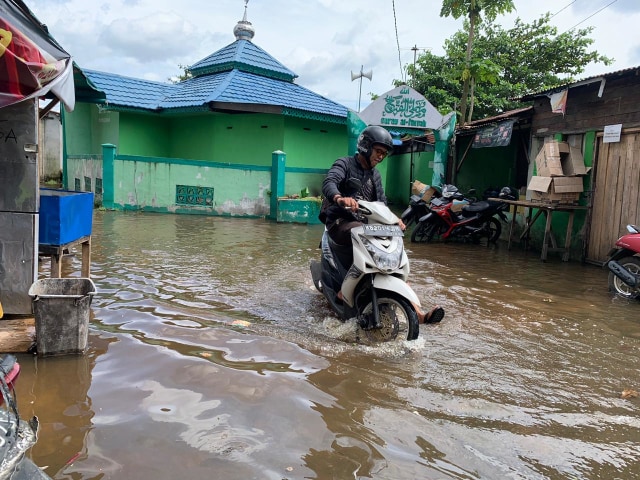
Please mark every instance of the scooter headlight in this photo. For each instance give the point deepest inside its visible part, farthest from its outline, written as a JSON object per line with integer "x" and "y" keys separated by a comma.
{"x": 387, "y": 261}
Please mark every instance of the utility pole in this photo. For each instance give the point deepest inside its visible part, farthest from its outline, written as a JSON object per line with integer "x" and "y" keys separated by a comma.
{"x": 415, "y": 53}
{"x": 368, "y": 75}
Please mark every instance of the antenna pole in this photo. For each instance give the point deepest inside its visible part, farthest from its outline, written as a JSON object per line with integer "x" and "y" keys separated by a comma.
{"x": 360, "y": 93}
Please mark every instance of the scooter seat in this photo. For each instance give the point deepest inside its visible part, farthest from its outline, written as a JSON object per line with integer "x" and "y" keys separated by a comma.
{"x": 344, "y": 253}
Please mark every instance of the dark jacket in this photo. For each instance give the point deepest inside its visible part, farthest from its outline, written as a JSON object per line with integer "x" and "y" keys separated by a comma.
{"x": 336, "y": 183}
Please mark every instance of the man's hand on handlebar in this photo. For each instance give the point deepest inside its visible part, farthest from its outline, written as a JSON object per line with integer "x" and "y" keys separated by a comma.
{"x": 347, "y": 202}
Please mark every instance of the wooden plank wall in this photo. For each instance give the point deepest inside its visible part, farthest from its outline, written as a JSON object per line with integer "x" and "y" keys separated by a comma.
{"x": 588, "y": 112}
{"x": 616, "y": 197}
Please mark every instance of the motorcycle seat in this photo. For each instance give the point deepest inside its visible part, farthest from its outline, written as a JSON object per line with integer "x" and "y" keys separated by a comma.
{"x": 475, "y": 207}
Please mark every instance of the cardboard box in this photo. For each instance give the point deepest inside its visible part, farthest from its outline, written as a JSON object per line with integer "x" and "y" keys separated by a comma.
{"x": 573, "y": 164}
{"x": 559, "y": 158}
{"x": 425, "y": 191}
{"x": 456, "y": 205}
{"x": 548, "y": 165}
{"x": 555, "y": 189}
{"x": 555, "y": 148}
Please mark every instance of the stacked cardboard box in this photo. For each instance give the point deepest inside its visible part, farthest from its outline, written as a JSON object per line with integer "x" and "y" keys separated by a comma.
{"x": 425, "y": 191}
{"x": 560, "y": 169}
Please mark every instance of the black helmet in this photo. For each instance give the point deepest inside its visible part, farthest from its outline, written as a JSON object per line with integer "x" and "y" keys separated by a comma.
{"x": 371, "y": 136}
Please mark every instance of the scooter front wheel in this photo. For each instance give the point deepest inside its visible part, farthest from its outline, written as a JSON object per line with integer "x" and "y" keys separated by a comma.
{"x": 397, "y": 319}
{"x": 425, "y": 232}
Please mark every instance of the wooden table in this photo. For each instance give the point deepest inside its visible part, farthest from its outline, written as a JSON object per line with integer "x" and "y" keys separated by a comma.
{"x": 549, "y": 243}
{"x": 56, "y": 252}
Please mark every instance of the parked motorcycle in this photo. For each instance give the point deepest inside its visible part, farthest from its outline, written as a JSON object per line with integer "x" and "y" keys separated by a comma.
{"x": 372, "y": 274}
{"x": 454, "y": 216}
{"x": 418, "y": 207}
{"x": 624, "y": 264}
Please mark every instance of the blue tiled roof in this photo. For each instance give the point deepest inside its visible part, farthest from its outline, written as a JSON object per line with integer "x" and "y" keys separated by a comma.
{"x": 240, "y": 73}
{"x": 242, "y": 55}
{"x": 128, "y": 92}
{"x": 242, "y": 87}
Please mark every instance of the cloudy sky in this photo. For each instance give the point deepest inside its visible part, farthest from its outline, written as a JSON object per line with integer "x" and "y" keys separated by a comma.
{"x": 323, "y": 41}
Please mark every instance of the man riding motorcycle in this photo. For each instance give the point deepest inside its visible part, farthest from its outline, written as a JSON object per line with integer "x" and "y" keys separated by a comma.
{"x": 339, "y": 203}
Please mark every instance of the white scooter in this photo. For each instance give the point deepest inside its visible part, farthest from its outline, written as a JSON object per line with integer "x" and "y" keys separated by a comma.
{"x": 372, "y": 276}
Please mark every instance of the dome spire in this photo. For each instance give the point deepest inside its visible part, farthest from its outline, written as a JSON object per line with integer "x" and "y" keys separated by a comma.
{"x": 243, "y": 29}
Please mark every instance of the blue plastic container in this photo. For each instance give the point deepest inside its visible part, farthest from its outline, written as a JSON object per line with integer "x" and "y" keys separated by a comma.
{"x": 65, "y": 216}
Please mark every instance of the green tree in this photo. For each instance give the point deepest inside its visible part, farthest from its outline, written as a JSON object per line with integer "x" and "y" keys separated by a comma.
{"x": 506, "y": 64}
{"x": 181, "y": 77}
{"x": 472, "y": 11}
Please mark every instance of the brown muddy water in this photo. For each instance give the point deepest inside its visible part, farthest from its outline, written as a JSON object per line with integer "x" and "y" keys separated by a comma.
{"x": 522, "y": 380}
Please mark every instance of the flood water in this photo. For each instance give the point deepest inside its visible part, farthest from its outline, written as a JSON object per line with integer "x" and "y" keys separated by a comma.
{"x": 211, "y": 356}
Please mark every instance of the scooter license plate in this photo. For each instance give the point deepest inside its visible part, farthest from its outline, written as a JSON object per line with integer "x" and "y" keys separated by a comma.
{"x": 382, "y": 230}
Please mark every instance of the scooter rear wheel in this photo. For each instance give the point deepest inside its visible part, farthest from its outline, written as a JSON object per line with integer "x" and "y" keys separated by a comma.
{"x": 616, "y": 285}
{"x": 397, "y": 319}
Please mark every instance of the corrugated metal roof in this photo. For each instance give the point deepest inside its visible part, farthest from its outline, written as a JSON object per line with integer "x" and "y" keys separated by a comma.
{"x": 577, "y": 83}
{"x": 518, "y": 113}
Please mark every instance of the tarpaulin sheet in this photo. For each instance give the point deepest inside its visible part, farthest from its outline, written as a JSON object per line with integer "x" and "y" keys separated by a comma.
{"x": 32, "y": 63}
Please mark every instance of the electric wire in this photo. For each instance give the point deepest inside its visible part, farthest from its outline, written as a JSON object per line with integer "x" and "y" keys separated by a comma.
{"x": 593, "y": 14}
{"x": 563, "y": 8}
{"x": 395, "y": 21}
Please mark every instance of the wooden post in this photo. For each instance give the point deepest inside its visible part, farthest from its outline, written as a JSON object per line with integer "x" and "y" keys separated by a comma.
{"x": 547, "y": 233}
{"x": 86, "y": 258}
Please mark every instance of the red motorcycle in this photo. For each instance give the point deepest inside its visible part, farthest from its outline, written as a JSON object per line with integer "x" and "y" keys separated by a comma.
{"x": 453, "y": 216}
{"x": 624, "y": 264}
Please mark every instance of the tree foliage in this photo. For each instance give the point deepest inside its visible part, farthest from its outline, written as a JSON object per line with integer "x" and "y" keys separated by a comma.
{"x": 473, "y": 11}
{"x": 505, "y": 64}
{"x": 181, "y": 77}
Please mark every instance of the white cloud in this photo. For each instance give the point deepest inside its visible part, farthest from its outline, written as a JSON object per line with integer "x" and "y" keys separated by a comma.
{"x": 320, "y": 40}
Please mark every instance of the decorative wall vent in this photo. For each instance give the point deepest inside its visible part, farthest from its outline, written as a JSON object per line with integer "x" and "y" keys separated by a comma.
{"x": 192, "y": 195}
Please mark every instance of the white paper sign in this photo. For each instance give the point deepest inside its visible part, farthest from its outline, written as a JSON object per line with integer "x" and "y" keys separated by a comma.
{"x": 612, "y": 133}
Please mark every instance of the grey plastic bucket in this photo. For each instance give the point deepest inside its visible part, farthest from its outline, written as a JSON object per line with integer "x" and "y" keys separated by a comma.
{"x": 61, "y": 309}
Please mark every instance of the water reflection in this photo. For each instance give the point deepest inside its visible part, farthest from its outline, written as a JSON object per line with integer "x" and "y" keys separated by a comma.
{"x": 210, "y": 351}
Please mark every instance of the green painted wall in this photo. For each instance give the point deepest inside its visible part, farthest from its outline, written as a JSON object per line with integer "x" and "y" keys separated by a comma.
{"x": 485, "y": 167}
{"x": 78, "y": 122}
{"x": 399, "y": 178}
{"x": 150, "y": 184}
{"x": 87, "y": 128}
{"x": 141, "y": 134}
{"x": 236, "y": 139}
{"x": 296, "y": 181}
{"x": 313, "y": 144}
